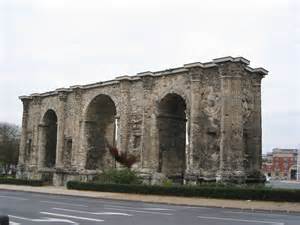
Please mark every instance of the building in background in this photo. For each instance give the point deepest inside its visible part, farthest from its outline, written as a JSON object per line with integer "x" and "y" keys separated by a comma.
{"x": 281, "y": 164}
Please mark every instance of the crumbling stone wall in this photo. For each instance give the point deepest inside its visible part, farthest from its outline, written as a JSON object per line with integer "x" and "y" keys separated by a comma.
{"x": 201, "y": 121}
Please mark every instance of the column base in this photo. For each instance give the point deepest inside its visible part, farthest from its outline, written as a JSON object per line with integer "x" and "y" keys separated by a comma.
{"x": 21, "y": 171}
{"x": 27, "y": 172}
{"x": 255, "y": 177}
{"x": 237, "y": 177}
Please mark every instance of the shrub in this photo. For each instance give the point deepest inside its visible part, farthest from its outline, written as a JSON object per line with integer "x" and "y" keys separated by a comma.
{"x": 241, "y": 193}
{"x": 114, "y": 176}
{"x": 15, "y": 181}
{"x": 167, "y": 183}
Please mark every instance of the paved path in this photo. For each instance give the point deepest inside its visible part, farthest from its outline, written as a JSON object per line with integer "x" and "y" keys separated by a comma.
{"x": 239, "y": 204}
{"x": 25, "y": 208}
{"x": 284, "y": 184}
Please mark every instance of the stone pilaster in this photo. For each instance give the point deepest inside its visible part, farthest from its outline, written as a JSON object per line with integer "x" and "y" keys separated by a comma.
{"x": 149, "y": 154}
{"x": 195, "y": 78}
{"x": 42, "y": 146}
{"x": 62, "y": 99}
{"x": 124, "y": 132}
{"x": 81, "y": 155}
{"x": 58, "y": 178}
{"x": 254, "y": 137}
{"x": 257, "y": 127}
{"x": 231, "y": 149}
{"x": 79, "y": 132}
{"x": 22, "y": 151}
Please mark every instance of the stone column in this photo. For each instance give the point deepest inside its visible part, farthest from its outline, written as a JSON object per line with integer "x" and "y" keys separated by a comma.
{"x": 81, "y": 155}
{"x": 79, "y": 129}
{"x": 231, "y": 149}
{"x": 36, "y": 118}
{"x": 195, "y": 126}
{"x": 41, "y": 146}
{"x": 22, "y": 151}
{"x": 58, "y": 179}
{"x": 62, "y": 97}
{"x": 124, "y": 110}
{"x": 149, "y": 156}
{"x": 257, "y": 128}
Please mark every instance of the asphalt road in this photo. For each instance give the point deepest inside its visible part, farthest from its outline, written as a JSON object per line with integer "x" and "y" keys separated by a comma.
{"x": 42, "y": 209}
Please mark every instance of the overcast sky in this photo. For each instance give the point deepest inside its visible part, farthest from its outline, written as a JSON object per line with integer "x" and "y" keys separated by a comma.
{"x": 47, "y": 44}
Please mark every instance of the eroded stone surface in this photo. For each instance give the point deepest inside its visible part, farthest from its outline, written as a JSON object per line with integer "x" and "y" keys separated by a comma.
{"x": 198, "y": 122}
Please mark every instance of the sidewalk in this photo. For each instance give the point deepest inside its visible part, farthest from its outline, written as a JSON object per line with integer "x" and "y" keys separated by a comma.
{"x": 220, "y": 203}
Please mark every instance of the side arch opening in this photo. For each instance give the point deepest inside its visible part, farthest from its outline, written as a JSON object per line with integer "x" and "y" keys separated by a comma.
{"x": 100, "y": 128}
{"x": 172, "y": 127}
{"x": 50, "y": 138}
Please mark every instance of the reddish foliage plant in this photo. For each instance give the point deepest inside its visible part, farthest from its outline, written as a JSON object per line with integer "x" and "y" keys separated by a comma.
{"x": 122, "y": 157}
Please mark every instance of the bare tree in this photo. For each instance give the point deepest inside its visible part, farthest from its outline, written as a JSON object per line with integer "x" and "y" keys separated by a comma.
{"x": 9, "y": 147}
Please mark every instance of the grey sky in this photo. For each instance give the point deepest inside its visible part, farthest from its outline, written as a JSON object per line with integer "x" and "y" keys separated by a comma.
{"x": 47, "y": 44}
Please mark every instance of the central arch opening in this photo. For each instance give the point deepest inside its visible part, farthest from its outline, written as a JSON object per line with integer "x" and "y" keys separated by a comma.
{"x": 50, "y": 121}
{"x": 172, "y": 136}
{"x": 100, "y": 128}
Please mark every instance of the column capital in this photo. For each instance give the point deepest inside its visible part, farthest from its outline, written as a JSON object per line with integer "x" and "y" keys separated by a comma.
{"x": 231, "y": 70}
{"x": 37, "y": 99}
{"x": 26, "y": 103}
{"x": 78, "y": 93}
{"x": 230, "y": 77}
{"x": 148, "y": 82}
{"x": 195, "y": 74}
{"x": 62, "y": 96}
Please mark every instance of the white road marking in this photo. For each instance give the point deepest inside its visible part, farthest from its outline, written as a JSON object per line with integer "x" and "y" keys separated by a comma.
{"x": 158, "y": 209}
{"x": 73, "y": 217}
{"x": 13, "y": 223}
{"x": 50, "y": 220}
{"x": 44, "y": 220}
{"x": 64, "y": 203}
{"x": 240, "y": 220}
{"x": 193, "y": 207}
{"x": 93, "y": 213}
{"x": 12, "y": 197}
{"x": 138, "y": 211}
{"x": 150, "y": 209}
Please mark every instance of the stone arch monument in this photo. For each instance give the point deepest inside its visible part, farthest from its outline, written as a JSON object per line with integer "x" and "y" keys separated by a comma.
{"x": 198, "y": 122}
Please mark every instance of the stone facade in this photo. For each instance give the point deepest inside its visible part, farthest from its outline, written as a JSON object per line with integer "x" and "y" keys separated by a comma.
{"x": 198, "y": 122}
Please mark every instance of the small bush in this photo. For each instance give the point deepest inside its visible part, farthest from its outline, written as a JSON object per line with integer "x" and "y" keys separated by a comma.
{"x": 241, "y": 193}
{"x": 114, "y": 176}
{"x": 167, "y": 183}
{"x": 15, "y": 181}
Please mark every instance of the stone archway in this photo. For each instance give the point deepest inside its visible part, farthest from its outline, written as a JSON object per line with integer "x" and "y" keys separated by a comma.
{"x": 171, "y": 124}
{"x": 50, "y": 138}
{"x": 100, "y": 128}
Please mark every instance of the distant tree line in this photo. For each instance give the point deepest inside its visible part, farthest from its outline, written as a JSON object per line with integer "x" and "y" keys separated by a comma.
{"x": 9, "y": 148}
